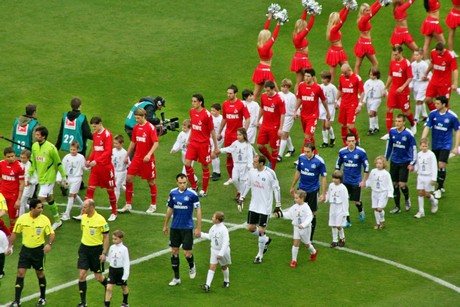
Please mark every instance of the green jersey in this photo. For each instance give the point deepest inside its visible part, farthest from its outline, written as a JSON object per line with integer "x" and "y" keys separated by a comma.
{"x": 46, "y": 161}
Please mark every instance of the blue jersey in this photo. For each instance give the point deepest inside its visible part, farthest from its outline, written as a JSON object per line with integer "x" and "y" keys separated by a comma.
{"x": 442, "y": 126}
{"x": 401, "y": 147}
{"x": 183, "y": 204}
{"x": 352, "y": 162}
{"x": 310, "y": 171}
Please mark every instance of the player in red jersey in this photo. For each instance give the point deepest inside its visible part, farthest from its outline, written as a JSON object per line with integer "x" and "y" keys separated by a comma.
{"x": 453, "y": 21}
{"x": 233, "y": 113}
{"x": 272, "y": 108}
{"x": 399, "y": 77}
{"x": 444, "y": 65}
{"x": 199, "y": 145}
{"x": 351, "y": 93}
{"x": 431, "y": 26}
{"x": 11, "y": 184}
{"x": 144, "y": 138}
{"x": 308, "y": 95}
{"x": 336, "y": 55}
{"x": 401, "y": 33}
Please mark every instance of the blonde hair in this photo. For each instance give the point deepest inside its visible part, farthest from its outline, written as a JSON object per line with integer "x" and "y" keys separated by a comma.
{"x": 301, "y": 194}
{"x": 219, "y": 216}
{"x": 424, "y": 141}
{"x": 264, "y": 37}
{"x": 286, "y": 82}
{"x": 384, "y": 161}
{"x": 361, "y": 11}
{"x": 186, "y": 122}
{"x": 300, "y": 25}
{"x": 334, "y": 18}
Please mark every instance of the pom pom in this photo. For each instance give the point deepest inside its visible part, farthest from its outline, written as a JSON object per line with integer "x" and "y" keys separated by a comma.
{"x": 312, "y": 7}
{"x": 385, "y": 2}
{"x": 273, "y": 9}
{"x": 281, "y": 16}
{"x": 353, "y": 4}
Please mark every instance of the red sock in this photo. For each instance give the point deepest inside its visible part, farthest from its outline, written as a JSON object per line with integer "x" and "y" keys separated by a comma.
{"x": 305, "y": 141}
{"x": 90, "y": 193}
{"x": 389, "y": 120}
{"x": 410, "y": 117}
{"x": 229, "y": 165}
{"x": 206, "y": 176}
{"x": 4, "y": 228}
{"x": 191, "y": 176}
{"x": 274, "y": 158}
{"x": 355, "y": 132}
{"x": 266, "y": 153}
{"x": 129, "y": 193}
{"x": 153, "y": 193}
{"x": 344, "y": 132}
{"x": 113, "y": 200}
{"x": 431, "y": 105}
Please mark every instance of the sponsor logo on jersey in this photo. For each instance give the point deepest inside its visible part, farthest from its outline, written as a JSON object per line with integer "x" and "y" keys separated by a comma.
{"x": 22, "y": 130}
{"x": 70, "y": 124}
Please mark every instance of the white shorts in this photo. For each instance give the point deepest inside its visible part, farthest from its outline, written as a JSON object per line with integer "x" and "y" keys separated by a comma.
{"x": 240, "y": 172}
{"x": 226, "y": 258}
{"x": 120, "y": 179}
{"x": 288, "y": 123}
{"x": 419, "y": 90}
{"x": 74, "y": 185}
{"x": 379, "y": 199}
{"x": 322, "y": 111}
{"x": 29, "y": 191}
{"x": 46, "y": 190}
{"x": 337, "y": 217}
{"x": 373, "y": 104}
{"x": 302, "y": 234}
{"x": 252, "y": 132}
{"x": 424, "y": 183}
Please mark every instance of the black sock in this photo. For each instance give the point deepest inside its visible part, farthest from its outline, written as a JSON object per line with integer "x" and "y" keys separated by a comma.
{"x": 107, "y": 304}
{"x": 397, "y": 196}
{"x": 190, "y": 261}
{"x": 405, "y": 191}
{"x": 441, "y": 177}
{"x": 18, "y": 288}
{"x": 125, "y": 298}
{"x": 175, "y": 265}
{"x": 51, "y": 202}
{"x": 42, "y": 285}
{"x": 104, "y": 282}
{"x": 313, "y": 226}
{"x": 359, "y": 206}
{"x": 348, "y": 219}
{"x": 2, "y": 262}
{"x": 82, "y": 288}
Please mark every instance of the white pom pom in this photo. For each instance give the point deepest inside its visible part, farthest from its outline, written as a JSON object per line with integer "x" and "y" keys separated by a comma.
{"x": 281, "y": 16}
{"x": 312, "y": 7}
{"x": 273, "y": 8}
{"x": 353, "y": 4}
{"x": 385, "y": 2}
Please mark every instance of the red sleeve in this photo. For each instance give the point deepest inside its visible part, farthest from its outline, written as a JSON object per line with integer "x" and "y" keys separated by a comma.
{"x": 246, "y": 112}
{"x": 360, "y": 85}
{"x": 275, "y": 32}
{"x": 268, "y": 45}
{"x": 405, "y": 6}
{"x": 108, "y": 143}
{"x": 153, "y": 135}
{"x": 340, "y": 83}
{"x": 321, "y": 94}
{"x": 409, "y": 69}
{"x": 375, "y": 7}
{"x": 210, "y": 124}
{"x": 454, "y": 64}
{"x": 343, "y": 14}
{"x": 304, "y": 15}
{"x": 343, "y": 18}
{"x": 267, "y": 24}
{"x": 282, "y": 106}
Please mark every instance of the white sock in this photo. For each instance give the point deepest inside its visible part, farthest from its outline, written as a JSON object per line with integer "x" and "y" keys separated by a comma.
{"x": 342, "y": 234}
{"x": 295, "y": 252}
{"x": 377, "y": 217}
{"x": 421, "y": 203}
{"x": 335, "y": 235}
{"x": 312, "y": 249}
{"x": 117, "y": 193}
{"x": 262, "y": 240}
{"x": 69, "y": 205}
{"x": 418, "y": 110}
{"x": 331, "y": 133}
{"x": 210, "y": 277}
{"x": 215, "y": 165}
{"x": 290, "y": 146}
{"x": 79, "y": 200}
{"x": 424, "y": 114}
{"x": 325, "y": 136}
{"x": 283, "y": 144}
{"x": 236, "y": 183}
{"x": 376, "y": 122}
{"x": 371, "y": 123}
{"x": 256, "y": 232}
{"x": 382, "y": 216}
{"x": 226, "y": 275}
{"x": 432, "y": 199}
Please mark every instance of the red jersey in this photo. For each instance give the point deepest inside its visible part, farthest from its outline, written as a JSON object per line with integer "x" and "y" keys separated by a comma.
{"x": 309, "y": 96}
{"x": 234, "y": 114}
{"x": 273, "y": 109}
{"x": 400, "y": 71}
{"x": 300, "y": 39}
{"x": 266, "y": 52}
{"x": 11, "y": 174}
{"x": 399, "y": 12}
{"x": 443, "y": 65}
{"x": 335, "y": 34}
{"x": 433, "y": 5}
{"x": 350, "y": 88}
{"x": 202, "y": 126}
{"x": 144, "y": 136}
{"x": 364, "y": 23}
{"x": 455, "y": 2}
{"x": 102, "y": 147}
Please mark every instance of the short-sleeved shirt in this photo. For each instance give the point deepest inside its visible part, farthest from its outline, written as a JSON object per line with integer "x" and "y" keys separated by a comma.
{"x": 11, "y": 174}
{"x": 310, "y": 171}
{"x": 102, "y": 147}
{"x": 400, "y": 71}
{"x": 442, "y": 126}
{"x": 93, "y": 228}
{"x": 309, "y": 96}
{"x": 234, "y": 113}
{"x": 45, "y": 160}
{"x": 353, "y": 162}
{"x": 33, "y": 229}
{"x": 401, "y": 147}
{"x": 273, "y": 108}
{"x": 202, "y": 126}
{"x": 443, "y": 65}
{"x": 183, "y": 204}
{"x": 350, "y": 87}
{"x": 144, "y": 136}
{"x": 3, "y": 205}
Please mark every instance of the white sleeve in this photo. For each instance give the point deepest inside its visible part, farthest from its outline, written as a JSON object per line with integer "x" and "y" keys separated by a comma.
{"x": 389, "y": 182}
{"x": 345, "y": 201}
{"x": 308, "y": 218}
{"x": 434, "y": 167}
{"x": 177, "y": 145}
{"x": 126, "y": 264}
{"x": 205, "y": 235}
{"x": 225, "y": 241}
{"x": 287, "y": 215}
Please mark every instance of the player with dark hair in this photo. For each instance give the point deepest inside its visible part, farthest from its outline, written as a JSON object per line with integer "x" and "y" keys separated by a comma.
{"x": 24, "y": 129}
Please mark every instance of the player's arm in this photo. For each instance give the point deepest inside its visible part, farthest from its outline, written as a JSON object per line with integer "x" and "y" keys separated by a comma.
{"x": 297, "y": 106}
{"x": 198, "y": 222}
{"x": 11, "y": 243}
{"x": 457, "y": 141}
{"x": 225, "y": 243}
{"x": 294, "y": 181}
{"x": 131, "y": 147}
{"x": 307, "y": 220}
{"x": 221, "y": 128}
{"x": 214, "y": 140}
{"x": 105, "y": 246}
{"x": 169, "y": 212}
{"x": 17, "y": 204}
{"x": 259, "y": 116}
{"x": 425, "y": 131}
{"x": 51, "y": 239}
{"x": 389, "y": 81}
{"x": 425, "y": 76}
{"x": 323, "y": 188}
{"x": 205, "y": 235}
{"x": 280, "y": 131}
{"x": 56, "y": 158}
{"x": 151, "y": 151}
{"x": 455, "y": 83}
{"x": 366, "y": 173}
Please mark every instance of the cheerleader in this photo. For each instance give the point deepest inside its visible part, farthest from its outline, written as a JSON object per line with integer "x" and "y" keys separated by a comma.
{"x": 401, "y": 33}
{"x": 453, "y": 21}
{"x": 430, "y": 26}
{"x": 336, "y": 55}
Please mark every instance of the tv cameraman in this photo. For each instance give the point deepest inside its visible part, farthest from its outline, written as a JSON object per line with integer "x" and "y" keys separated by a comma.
{"x": 150, "y": 105}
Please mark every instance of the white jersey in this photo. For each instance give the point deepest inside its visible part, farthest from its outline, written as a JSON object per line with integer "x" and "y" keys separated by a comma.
{"x": 330, "y": 91}
{"x": 427, "y": 165}
{"x": 418, "y": 71}
{"x": 290, "y": 102}
{"x": 33, "y": 180}
{"x": 337, "y": 195}
{"x": 118, "y": 257}
{"x": 253, "y": 108}
{"x": 74, "y": 165}
{"x": 374, "y": 90}
{"x": 181, "y": 141}
{"x": 242, "y": 152}
{"x": 299, "y": 215}
{"x": 3, "y": 242}
{"x": 379, "y": 180}
{"x": 220, "y": 239}
{"x": 217, "y": 120}
{"x": 263, "y": 185}
{"x": 118, "y": 157}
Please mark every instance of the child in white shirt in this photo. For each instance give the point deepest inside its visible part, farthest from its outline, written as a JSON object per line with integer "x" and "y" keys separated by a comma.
{"x": 253, "y": 108}
{"x": 330, "y": 91}
{"x": 121, "y": 169}
{"x": 217, "y": 120}
{"x": 118, "y": 258}
{"x": 181, "y": 143}
{"x": 337, "y": 196}
{"x": 427, "y": 172}
{"x": 419, "y": 68}
{"x": 32, "y": 181}
{"x": 374, "y": 90}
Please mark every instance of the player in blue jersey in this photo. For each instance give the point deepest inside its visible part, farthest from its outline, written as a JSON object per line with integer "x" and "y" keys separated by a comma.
{"x": 401, "y": 150}
{"x": 310, "y": 169}
{"x": 442, "y": 122}
{"x": 181, "y": 203}
{"x": 353, "y": 158}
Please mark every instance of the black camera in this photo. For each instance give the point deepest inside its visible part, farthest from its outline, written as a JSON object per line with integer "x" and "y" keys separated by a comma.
{"x": 171, "y": 124}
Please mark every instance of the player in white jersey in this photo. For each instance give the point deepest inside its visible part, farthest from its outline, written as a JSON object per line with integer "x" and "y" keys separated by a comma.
{"x": 121, "y": 169}
{"x": 220, "y": 250}
{"x": 337, "y": 196}
{"x": 243, "y": 155}
{"x": 118, "y": 258}
{"x": 290, "y": 102}
{"x": 330, "y": 91}
{"x": 381, "y": 185}
{"x": 419, "y": 67}
{"x": 217, "y": 121}
{"x": 32, "y": 182}
{"x": 427, "y": 172}
{"x": 374, "y": 91}
{"x": 182, "y": 142}
{"x": 74, "y": 165}
{"x": 253, "y": 108}
{"x": 263, "y": 184}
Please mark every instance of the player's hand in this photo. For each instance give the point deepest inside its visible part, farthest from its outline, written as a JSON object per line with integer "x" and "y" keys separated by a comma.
{"x": 197, "y": 232}
{"x": 165, "y": 230}
{"x": 410, "y": 167}
{"x": 280, "y": 132}
{"x": 147, "y": 158}
{"x": 358, "y": 109}
{"x": 433, "y": 182}
{"x": 328, "y": 116}
{"x": 219, "y": 257}
{"x": 454, "y": 87}
{"x": 126, "y": 159}
{"x": 399, "y": 89}
{"x": 322, "y": 198}
{"x": 17, "y": 204}
{"x": 278, "y": 212}
{"x": 92, "y": 163}
{"x": 219, "y": 137}
{"x": 47, "y": 248}
{"x": 301, "y": 226}
{"x": 102, "y": 258}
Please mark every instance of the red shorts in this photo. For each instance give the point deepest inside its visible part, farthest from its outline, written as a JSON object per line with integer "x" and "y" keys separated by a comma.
{"x": 347, "y": 115}
{"x": 10, "y": 201}
{"x": 435, "y": 90}
{"x": 199, "y": 152}
{"x": 309, "y": 125}
{"x": 335, "y": 55}
{"x": 400, "y": 36}
{"x": 431, "y": 25}
{"x": 453, "y": 19}
{"x": 364, "y": 46}
{"x": 229, "y": 139}
{"x": 398, "y": 101}
{"x": 269, "y": 136}
{"x": 262, "y": 73}
{"x": 300, "y": 61}
{"x": 147, "y": 170}
{"x": 102, "y": 176}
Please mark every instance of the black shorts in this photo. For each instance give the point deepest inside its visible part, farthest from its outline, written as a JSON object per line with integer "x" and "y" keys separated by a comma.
{"x": 442, "y": 155}
{"x": 181, "y": 236}
{"x": 354, "y": 192}
{"x": 312, "y": 200}
{"x": 32, "y": 258}
{"x": 399, "y": 172}
{"x": 88, "y": 258}
{"x": 115, "y": 277}
{"x": 255, "y": 218}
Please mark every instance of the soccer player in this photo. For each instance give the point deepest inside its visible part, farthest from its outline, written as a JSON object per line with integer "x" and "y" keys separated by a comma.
{"x": 263, "y": 185}
{"x": 145, "y": 141}
{"x": 253, "y": 109}
{"x": 443, "y": 122}
{"x": 118, "y": 258}
{"x": 330, "y": 92}
{"x": 24, "y": 129}
{"x": 401, "y": 151}
{"x": 272, "y": 109}
{"x": 337, "y": 196}
{"x": 199, "y": 145}
{"x": 74, "y": 127}
{"x": 181, "y": 203}
{"x": 150, "y": 105}
{"x": 220, "y": 250}
{"x": 93, "y": 249}
{"x": 399, "y": 77}
{"x": 354, "y": 158}
{"x": 374, "y": 90}
{"x": 11, "y": 183}
{"x": 102, "y": 171}
{"x": 308, "y": 95}
{"x": 290, "y": 103}
{"x": 121, "y": 168}
{"x": 310, "y": 168}
{"x": 46, "y": 161}
{"x": 452, "y": 22}
{"x": 350, "y": 92}
{"x": 233, "y": 112}
{"x": 34, "y": 226}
